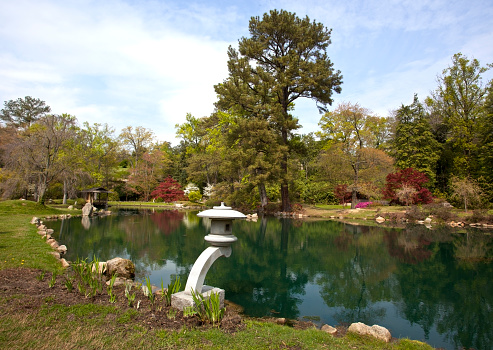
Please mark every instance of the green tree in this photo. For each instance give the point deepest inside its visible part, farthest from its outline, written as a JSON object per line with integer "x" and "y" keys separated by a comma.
{"x": 101, "y": 152}
{"x": 138, "y": 141}
{"x": 349, "y": 133}
{"x": 459, "y": 101}
{"x": 486, "y": 147}
{"x": 285, "y": 58}
{"x": 414, "y": 145}
{"x": 22, "y": 112}
{"x": 466, "y": 190}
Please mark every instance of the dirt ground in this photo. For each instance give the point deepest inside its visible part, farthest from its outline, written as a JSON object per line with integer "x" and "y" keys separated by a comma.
{"x": 23, "y": 289}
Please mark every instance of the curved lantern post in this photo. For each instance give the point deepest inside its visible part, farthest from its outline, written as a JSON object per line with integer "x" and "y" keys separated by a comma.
{"x": 220, "y": 238}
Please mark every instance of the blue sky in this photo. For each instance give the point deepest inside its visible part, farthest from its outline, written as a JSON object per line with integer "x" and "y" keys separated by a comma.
{"x": 149, "y": 63}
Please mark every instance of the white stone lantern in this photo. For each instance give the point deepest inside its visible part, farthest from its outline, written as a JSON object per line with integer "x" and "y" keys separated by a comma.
{"x": 220, "y": 238}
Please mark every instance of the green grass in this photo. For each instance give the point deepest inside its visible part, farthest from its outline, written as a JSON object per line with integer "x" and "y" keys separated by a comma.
{"x": 92, "y": 326}
{"x": 20, "y": 245}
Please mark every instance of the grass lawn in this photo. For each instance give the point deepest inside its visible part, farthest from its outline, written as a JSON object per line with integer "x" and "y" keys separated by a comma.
{"x": 86, "y": 325}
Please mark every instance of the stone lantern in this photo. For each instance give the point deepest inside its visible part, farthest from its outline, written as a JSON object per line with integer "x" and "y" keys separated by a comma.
{"x": 220, "y": 238}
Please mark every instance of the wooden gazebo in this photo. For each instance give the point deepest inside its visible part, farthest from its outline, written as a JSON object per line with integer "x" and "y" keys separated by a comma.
{"x": 97, "y": 196}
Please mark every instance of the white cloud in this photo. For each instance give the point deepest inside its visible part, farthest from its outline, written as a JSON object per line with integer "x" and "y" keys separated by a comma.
{"x": 149, "y": 63}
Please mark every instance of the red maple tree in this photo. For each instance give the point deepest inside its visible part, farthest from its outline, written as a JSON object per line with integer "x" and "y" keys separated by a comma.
{"x": 342, "y": 193}
{"x": 169, "y": 190}
{"x": 409, "y": 177}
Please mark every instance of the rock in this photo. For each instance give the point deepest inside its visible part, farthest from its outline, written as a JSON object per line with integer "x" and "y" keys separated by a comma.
{"x": 381, "y": 333}
{"x": 118, "y": 282}
{"x": 62, "y": 249}
{"x": 53, "y": 243}
{"x": 70, "y": 207}
{"x": 41, "y": 227}
{"x": 55, "y": 254}
{"x": 64, "y": 263}
{"x": 122, "y": 267}
{"x": 380, "y": 220}
{"x": 428, "y": 220}
{"x": 50, "y": 231}
{"x": 34, "y": 220}
{"x": 375, "y": 331}
{"x": 281, "y": 320}
{"x": 328, "y": 329}
{"x": 87, "y": 209}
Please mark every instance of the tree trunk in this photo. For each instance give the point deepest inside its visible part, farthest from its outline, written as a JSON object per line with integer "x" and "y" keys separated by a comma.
{"x": 263, "y": 197}
{"x": 285, "y": 204}
{"x": 354, "y": 198}
{"x": 64, "y": 201}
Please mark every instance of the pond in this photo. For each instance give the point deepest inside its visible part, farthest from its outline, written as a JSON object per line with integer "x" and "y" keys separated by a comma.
{"x": 430, "y": 285}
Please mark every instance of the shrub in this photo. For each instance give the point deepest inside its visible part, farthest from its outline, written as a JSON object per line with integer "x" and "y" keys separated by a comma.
{"x": 414, "y": 213}
{"x": 409, "y": 178}
{"x": 317, "y": 193}
{"x": 362, "y": 205}
{"x": 480, "y": 215}
{"x": 169, "y": 190}
{"x": 194, "y": 196}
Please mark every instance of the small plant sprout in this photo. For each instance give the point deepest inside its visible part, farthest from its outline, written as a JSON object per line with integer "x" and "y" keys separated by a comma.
{"x": 110, "y": 289}
{"x": 149, "y": 294}
{"x": 172, "y": 313}
{"x": 173, "y": 288}
{"x": 52, "y": 281}
{"x": 130, "y": 296}
{"x": 208, "y": 309}
{"x": 189, "y": 311}
{"x": 42, "y": 276}
{"x": 69, "y": 284}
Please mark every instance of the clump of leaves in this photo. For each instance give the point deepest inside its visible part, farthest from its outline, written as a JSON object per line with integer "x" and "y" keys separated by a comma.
{"x": 149, "y": 293}
{"x": 110, "y": 289}
{"x": 173, "y": 287}
{"x": 88, "y": 277}
{"x": 189, "y": 311}
{"x": 130, "y": 296}
{"x": 52, "y": 282}
{"x": 69, "y": 284}
{"x": 208, "y": 309}
{"x": 41, "y": 276}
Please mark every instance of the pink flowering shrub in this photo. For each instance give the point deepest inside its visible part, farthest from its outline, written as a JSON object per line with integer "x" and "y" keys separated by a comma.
{"x": 363, "y": 205}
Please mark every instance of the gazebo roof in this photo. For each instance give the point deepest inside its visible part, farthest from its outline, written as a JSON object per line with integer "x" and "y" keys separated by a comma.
{"x": 96, "y": 190}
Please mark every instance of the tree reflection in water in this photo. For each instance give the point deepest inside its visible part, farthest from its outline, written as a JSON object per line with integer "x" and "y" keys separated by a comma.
{"x": 432, "y": 285}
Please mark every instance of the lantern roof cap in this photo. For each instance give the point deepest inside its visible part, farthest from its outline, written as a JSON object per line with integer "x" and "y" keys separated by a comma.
{"x": 221, "y": 212}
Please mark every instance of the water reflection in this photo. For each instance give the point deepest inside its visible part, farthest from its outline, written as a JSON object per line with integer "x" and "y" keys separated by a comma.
{"x": 431, "y": 285}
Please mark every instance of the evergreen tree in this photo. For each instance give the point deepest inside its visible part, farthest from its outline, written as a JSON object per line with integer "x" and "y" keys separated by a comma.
{"x": 23, "y": 112}
{"x": 458, "y": 105}
{"x": 285, "y": 58}
{"x": 414, "y": 145}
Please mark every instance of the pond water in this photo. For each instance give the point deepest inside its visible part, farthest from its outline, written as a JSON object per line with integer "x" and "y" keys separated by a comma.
{"x": 430, "y": 285}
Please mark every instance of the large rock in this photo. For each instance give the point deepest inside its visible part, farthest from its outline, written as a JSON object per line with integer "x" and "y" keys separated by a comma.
{"x": 87, "y": 209}
{"x": 329, "y": 329}
{"x": 64, "y": 262}
{"x": 121, "y": 267}
{"x": 375, "y": 331}
{"x": 380, "y": 220}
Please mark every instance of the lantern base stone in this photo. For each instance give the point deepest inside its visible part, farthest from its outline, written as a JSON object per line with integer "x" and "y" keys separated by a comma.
{"x": 184, "y": 299}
